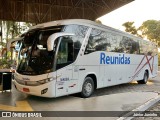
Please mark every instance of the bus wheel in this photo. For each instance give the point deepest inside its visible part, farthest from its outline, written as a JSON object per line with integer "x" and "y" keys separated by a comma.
{"x": 87, "y": 88}
{"x": 145, "y": 79}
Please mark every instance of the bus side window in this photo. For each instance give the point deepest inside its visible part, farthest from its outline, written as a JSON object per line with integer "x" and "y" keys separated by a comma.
{"x": 97, "y": 41}
{"x": 135, "y": 47}
{"x": 89, "y": 47}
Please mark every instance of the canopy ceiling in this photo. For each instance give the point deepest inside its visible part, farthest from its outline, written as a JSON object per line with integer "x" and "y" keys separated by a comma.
{"x": 38, "y": 11}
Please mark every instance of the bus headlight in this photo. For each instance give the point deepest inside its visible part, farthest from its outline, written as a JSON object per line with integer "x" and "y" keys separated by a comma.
{"x": 45, "y": 81}
{"x": 34, "y": 83}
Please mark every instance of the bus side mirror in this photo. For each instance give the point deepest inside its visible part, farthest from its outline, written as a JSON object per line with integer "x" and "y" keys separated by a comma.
{"x": 53, "y": 37}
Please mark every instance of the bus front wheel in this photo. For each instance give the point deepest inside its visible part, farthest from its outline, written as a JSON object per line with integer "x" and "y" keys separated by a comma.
{"x": 145, "y": 79}
{"x": 87, "y": 88}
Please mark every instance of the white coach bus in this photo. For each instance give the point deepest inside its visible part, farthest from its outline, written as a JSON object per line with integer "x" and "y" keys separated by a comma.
{"x": 71, "y": 56}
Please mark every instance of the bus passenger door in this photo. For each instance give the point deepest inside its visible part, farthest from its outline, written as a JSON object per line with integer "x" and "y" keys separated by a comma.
{"x": 63, "y": 75}
{"x": 66, "y": 81}
{"x": 73, "y": 83}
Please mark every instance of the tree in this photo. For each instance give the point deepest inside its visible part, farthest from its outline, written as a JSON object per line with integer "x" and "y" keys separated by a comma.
{"x": 129, "y": 27}
{"x": 98, "y": 21}
{"x": 151, "y": 30}
{"x": 11, "y": 30}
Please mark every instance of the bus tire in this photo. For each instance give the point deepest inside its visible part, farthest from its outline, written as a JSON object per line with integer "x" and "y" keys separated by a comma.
{"x": 145, "y": 79}
{"x": 87, "y": 88}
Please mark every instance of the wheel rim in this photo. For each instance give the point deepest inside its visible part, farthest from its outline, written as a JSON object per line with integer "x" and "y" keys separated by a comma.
{"x": 88, "y": 88}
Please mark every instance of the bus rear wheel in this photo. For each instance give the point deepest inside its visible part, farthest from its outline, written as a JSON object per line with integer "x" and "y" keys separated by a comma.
{"x": 144, "y": 80}
{"x": 87, "y": 88}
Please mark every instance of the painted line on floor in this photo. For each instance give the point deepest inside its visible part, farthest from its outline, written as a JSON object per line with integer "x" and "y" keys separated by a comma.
{"x": 20, "y": 106}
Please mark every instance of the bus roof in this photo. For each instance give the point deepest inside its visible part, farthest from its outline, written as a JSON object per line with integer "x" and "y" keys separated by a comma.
{"x": 85, "y": 22}
{"x": 67, "y": 22}
{"x": 74, "y": 21}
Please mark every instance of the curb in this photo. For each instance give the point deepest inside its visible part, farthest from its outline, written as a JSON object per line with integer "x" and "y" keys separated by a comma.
{"x": 141, "y": 108}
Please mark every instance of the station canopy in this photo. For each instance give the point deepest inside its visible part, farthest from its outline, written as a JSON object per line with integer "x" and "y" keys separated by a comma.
{"x": 38, "y": 11}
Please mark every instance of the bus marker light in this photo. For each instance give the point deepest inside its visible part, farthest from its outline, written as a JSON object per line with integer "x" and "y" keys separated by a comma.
{"x": 72, "y": 85}
{"x": 60, "y": 88}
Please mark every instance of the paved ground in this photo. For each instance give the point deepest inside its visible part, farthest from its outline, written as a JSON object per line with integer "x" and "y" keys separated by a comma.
{"x": 151, "y": 86}
{"x": 39, "y": 103}
{"x": 156, "y": 107}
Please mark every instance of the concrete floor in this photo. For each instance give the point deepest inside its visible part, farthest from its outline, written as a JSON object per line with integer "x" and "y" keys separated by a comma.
{"x": 123, "y": 98}
{"x": 127, "y": 101}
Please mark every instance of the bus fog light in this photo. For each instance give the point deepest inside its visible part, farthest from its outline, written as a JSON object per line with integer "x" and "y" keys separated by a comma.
{"x": 44, "y": 91}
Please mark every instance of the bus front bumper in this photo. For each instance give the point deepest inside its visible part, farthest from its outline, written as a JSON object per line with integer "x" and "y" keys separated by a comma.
{"x": 44, "y": 90}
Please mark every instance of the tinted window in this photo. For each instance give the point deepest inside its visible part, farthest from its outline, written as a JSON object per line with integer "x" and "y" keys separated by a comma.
{"x": 34, "y": 58}
{"x": 129, "y": 45}
{"x": 144, "y": 47}
{"x": 70, "y": 45}
{"x": 111, "y": 42}
{"x": 98, "y": 41}
{"x": 80, "y": 33}
{"x": 114, "y": 43}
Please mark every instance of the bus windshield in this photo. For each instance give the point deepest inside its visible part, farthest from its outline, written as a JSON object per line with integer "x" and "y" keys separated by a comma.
{"x": 34, "y": 58}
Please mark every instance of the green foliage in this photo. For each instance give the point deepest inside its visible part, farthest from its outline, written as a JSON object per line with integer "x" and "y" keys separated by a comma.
{"x": 151, "y": 29}
{"x": 98, "y": 21}
{"x": 2, "y": 44}
{"x": 158, "y": 59}
{"x": 10, "y": 30}
{"x": 5, "y": 64}
{"x": 13, "y": 29}
{"x": 129, "y": 27}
